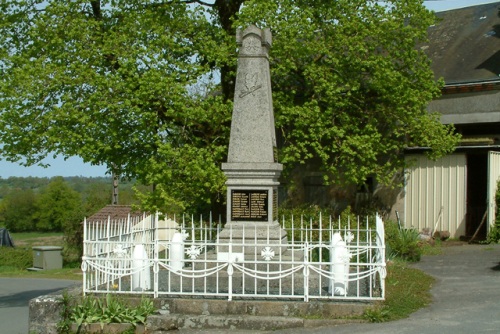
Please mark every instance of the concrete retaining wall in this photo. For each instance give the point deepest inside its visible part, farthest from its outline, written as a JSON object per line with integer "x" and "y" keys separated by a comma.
{"x": 175, "y": 313}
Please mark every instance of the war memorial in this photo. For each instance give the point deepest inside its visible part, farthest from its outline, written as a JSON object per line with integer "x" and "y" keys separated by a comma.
{"x": 205, "y": 273}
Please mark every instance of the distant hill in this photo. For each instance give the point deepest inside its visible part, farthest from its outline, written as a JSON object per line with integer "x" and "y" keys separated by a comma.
{"x": 79, "y": 183}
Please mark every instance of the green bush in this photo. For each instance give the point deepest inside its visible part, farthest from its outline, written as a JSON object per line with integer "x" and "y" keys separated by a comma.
{"x": 309, "y": 217}
{"x": 19, "y": 258}
{"x": 92, "y": 309}
{"x": 494, "y": 233}
{"x": 402, "y": 243}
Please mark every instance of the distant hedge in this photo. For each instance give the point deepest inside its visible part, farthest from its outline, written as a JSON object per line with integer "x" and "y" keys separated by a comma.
{"x": 19, "y": 258}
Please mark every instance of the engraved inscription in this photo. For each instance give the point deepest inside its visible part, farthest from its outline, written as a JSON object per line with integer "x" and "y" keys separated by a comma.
{"x": 250, "y": 205}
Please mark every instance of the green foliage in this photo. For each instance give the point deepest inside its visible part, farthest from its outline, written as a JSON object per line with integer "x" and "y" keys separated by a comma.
{"x": 17, "y": 210}
{"x": 96, "y": 196}
{"x": 64, "y": 325}
{"x": 314, "y": 217}
{"x": 353, "y": 88}
{"x": 198, "y": 165}
{"x": 134, "y": 85}
{"x": 307, "y": 212}
{"x": 318, "y": 222}
{"x": 91, "y": 309}
{"x": 21, "y": 183}
{"x": 18, "y": 258}
{"x": 494, "y": 233}
{"x": 310, "y": 215}
{"x": 376, "y": 314}
{"x": 57, "y": 206}
{"x": 73, "y": 243}
{"x": 402, "y": 243}
{"x": 95, "y": 191}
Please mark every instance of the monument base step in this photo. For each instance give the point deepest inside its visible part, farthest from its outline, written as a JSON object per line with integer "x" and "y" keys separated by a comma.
{"x": 254, "y": 315}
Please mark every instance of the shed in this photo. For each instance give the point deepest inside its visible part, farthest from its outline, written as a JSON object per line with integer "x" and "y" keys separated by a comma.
{"x": 457, "y": 191}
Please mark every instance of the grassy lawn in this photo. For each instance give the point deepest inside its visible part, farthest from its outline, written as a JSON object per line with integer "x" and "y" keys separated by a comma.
{"x": 22, "y": 253}
{"x": 407, "y": 290}
{"x": 30, "y": 239}
{"x": 64, "y": 273}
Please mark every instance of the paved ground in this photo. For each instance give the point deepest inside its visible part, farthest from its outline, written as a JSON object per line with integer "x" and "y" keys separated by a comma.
{"x": 15, "y": 294}
{"x": 466, "y": 297}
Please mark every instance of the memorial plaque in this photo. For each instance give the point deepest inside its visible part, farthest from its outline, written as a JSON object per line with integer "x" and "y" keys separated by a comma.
{"x": 249, "y": 205}
{"x": 275, "y": 204}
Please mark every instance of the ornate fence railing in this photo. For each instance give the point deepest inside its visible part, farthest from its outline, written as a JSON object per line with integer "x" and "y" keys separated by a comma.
{"x": 322, "y": 259}
{"x": 109, "y": 246}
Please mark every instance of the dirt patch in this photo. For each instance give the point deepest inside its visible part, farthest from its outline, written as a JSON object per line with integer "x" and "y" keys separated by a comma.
{"x": 450, "y": 243}
{"x": 40, "y": 241}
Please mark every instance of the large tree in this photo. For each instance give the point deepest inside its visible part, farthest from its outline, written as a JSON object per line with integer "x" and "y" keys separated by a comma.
{"x": 17, "y": 210}
{"x": 57, "y": 207}
{"x": 146, "y": 87}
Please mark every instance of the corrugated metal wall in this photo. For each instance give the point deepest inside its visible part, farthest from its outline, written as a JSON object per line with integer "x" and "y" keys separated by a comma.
{"x": 435, "y": 194}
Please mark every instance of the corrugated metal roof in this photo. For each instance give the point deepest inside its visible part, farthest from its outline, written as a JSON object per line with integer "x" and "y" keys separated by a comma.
{"x": 465, "y": 45}
{"x": 114, "y": 212}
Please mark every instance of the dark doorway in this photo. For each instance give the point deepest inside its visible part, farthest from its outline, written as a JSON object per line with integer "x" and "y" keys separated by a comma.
{"x": 477, "y": 181}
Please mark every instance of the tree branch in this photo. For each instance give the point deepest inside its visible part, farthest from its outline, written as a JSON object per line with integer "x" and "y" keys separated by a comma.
{"x": 203, "y": 3}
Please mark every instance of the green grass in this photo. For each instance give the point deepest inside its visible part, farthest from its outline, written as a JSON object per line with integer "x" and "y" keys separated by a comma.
{"x": 435, "y": 249}
{"x": 407, "y": 290}
{"x": 64, "y": 273}
{"x": 34, "y": 235}
{"x": 15, "y": 261}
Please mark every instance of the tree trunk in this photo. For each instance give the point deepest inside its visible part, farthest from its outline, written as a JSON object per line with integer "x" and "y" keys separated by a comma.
{"x": 228, "y": 10}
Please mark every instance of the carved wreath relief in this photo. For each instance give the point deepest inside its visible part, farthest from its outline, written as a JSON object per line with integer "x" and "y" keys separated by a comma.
{"x": 251, "y": 84}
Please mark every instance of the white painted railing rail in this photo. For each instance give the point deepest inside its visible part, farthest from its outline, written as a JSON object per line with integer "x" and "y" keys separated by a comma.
{"x": 323, "y": 259}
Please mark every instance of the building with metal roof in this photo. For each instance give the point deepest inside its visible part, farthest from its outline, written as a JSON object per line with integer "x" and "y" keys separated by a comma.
{"x": 457, "y": 193}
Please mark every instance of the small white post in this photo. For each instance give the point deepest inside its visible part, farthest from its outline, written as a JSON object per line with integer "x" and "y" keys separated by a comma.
{"x": 339, "y": 266}
{"x": 177, "y": 251}
{"x": 141, "y": 277}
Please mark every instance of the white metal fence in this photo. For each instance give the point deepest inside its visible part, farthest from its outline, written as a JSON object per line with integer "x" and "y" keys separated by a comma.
{"x": 109, "y": 246}
{"x": 322, "y": 259}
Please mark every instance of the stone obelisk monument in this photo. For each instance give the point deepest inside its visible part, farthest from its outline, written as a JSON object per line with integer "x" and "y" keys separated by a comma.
{"x": 252, "y": 169}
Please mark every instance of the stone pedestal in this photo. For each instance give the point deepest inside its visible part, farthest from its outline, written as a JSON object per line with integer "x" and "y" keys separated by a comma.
{"x": 252, "y": 206}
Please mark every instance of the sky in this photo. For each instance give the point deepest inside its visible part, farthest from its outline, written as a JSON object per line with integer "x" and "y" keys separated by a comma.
{"x": 440, "y": 5}
{"x": 58, "y": 167}
{"x": 76, "y": 167}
